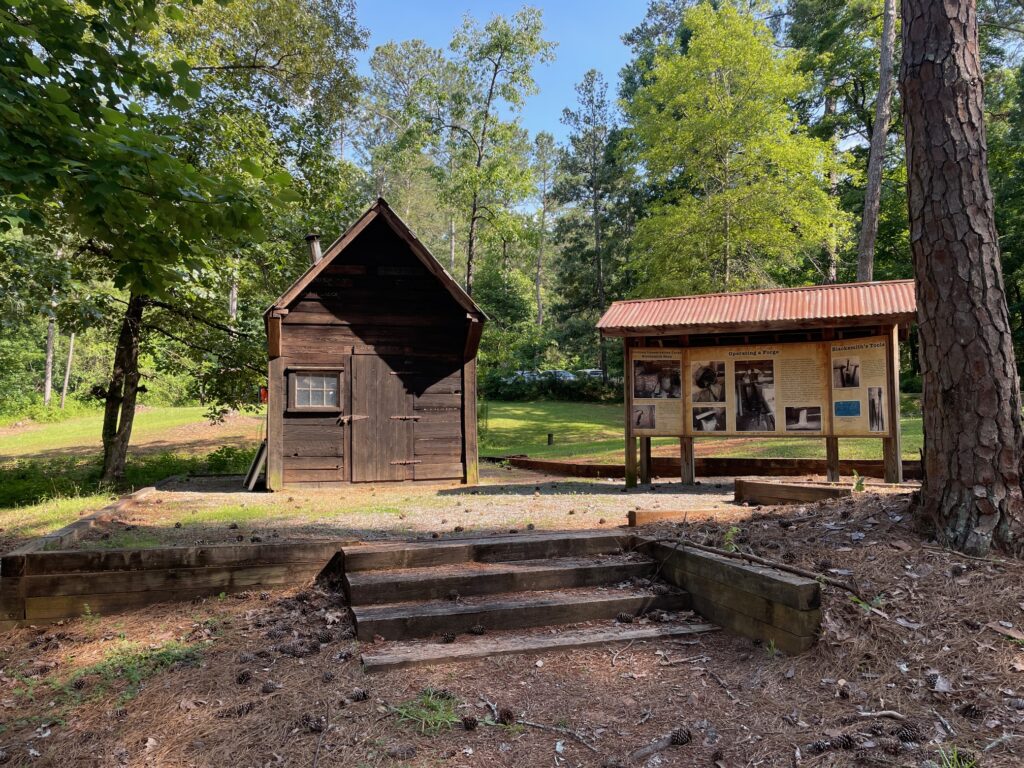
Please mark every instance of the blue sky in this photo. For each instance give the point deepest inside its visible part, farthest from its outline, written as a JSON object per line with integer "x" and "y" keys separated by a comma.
{"x": 587, "y": 33}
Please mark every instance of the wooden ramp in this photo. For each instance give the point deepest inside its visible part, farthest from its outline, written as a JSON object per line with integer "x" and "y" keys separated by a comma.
{"x": 454, "y": 589}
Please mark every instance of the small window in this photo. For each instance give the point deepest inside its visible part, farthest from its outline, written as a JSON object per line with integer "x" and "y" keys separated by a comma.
{"x": 314, "y": 391}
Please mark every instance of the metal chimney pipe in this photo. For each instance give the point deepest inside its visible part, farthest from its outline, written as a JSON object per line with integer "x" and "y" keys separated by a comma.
{"x": 313, "y": 241}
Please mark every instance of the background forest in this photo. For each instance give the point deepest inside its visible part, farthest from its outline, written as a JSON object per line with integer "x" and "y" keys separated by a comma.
{"x": 163, "y": 162}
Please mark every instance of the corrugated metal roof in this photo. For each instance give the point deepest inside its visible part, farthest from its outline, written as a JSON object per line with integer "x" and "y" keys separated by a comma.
{"x": 855, "y": 303}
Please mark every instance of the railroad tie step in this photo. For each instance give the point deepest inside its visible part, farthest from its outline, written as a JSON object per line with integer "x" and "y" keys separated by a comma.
{"x": 474, "y": 578}
{"x": 420, "y": 653}
{"x": 525, "y": 546}
{"x": 402, "y": 621}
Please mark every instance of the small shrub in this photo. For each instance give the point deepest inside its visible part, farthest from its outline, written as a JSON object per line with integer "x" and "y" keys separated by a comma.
{"x": 430, "y": 713}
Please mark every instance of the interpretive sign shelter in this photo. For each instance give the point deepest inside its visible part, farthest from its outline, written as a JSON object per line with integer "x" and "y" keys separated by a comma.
{"x": 817, "y": 362}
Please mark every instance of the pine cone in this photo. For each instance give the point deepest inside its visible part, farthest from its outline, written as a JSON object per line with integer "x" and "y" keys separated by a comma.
{"x": 313, "y": 723}
{"x": 359, "y": 695}
{"x": 932, "y": 678}
{"x": 327, "y": 676}
{"x": 819, "y": 746}
{"x": 506, "y": 716}
{"x": 246, "y": 658}
{"x": 269, "y": 687}
{"x": 908, "y": 733}
{"x": 681, "y": 737}
{"x": 971, "y": 711}
{"x": 79, "y": 683}
{"x": 477, "y": 629}
{"x": 892, "y": 746}
{"x": 788, "y": 557}
{"x": 325, "y": 636}
{"x": 876, "y": 729}
{"x": 448, "y": 637}
{"x": 244, "y": 677}
{"x": 624, "y": 618}
{"x": 845, "y": 741}
{"x": 660, "y": 589}
{"x": 470, "y": 723}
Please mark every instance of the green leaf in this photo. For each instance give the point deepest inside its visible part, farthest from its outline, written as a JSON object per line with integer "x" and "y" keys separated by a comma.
{"x": 180, "y": 68}
{"x": 279, "y": 179}
{"x": 289, "y": 195}
{"x": 175, "y": 13}
{"x": 252, "y": 167}
{"x": 36, "y": 65}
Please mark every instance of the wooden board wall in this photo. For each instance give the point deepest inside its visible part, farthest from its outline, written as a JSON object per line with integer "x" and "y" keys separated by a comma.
{"x": 374, "y": 300}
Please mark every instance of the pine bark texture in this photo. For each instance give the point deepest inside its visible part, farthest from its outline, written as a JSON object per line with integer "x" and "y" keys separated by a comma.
{"x": 876, "y": 153}
{"x": 971, "y": 492}
{"x": 119, "y": 408}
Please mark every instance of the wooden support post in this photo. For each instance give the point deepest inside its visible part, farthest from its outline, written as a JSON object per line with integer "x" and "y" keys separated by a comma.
{"x": 277, "y": 386}
{"x": 832, "y": 459}
{"x": 892, "y": 446}
{"x": 471, "y": 452}
{"x": 645, "y": 459}
{"x": 630, "y": 439}
{"x": 687, "y": 468}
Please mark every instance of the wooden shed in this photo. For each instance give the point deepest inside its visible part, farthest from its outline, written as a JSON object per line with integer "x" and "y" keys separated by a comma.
{"x": 372, "y": 373}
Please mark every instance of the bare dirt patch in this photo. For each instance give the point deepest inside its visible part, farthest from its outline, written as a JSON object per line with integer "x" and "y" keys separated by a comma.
{"x": 276, "y": 681}
{"x": 216, "y": 510}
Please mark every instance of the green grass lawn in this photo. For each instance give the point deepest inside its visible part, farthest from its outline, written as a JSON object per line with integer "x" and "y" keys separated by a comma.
{"x": 594, "y": 431}
{"x": 84, "y": 431}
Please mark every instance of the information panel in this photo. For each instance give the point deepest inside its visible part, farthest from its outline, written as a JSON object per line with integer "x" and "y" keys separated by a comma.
{"x": 793, "y": 389}
{"x": 860, "y": 405}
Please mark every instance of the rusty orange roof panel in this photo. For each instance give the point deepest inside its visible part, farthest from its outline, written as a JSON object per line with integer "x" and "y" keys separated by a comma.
{"x": 846, "y": 304}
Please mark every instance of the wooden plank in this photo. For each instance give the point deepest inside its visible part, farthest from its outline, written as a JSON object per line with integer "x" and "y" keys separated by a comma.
{"x": 450, "y": 447}
{"x": 467, "y": 579}
{"x": 627, "y": 383}
{"x": 92, "y": 561}
{"x": 12, "y": 599}
{"x": 769, "y": 583}
{"x": 525, "y": 546}
{"x": 764, "y": 492}
{"x": 314, "y": 475}
{"x": 687, "y": 466}
{"x": 215, "y": 579}
{"x": 297, "y": 447}
{"x": 748, "y": 626}
{"x": 423, "y": 654}
{"x": 892, "y": 446}
{"x": 67, "y": 606}
{"x": 645, "y": 459}
{"x": 403, "y": 621}
{"x": 637, "y": 517}
{"x": 273, "y": 337}
{"x": 258, "y": 462}
{"x": 276, "y": 403}
{"x": 450, "y": 471}
{"x": 832, "y": 458}
{"x": 426, "y": 428}
{"x": 440, "y": 400}
{"x": 312, "y": 462}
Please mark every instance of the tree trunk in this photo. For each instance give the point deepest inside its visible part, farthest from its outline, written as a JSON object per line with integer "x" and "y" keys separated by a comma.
{"x": 119, "y": 412}
{"x": 67, "y": 370}
{"x": 971, "y": 492}
{"x": 540, "y": 259}
{"x": 51, "y": 333}
{"x": 599, "y": 271}
{"x": 876, "y": 154}
{"x": 471, "y": 246}
{"x": 451, "y": 241}
{"x": 832, "y": 267}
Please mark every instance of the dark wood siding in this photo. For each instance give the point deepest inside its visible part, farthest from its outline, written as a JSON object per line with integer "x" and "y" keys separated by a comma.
{"x": 377, "y": 312}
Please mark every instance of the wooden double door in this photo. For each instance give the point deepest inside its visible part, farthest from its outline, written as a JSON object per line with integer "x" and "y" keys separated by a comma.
{"x": 382, "y": 425}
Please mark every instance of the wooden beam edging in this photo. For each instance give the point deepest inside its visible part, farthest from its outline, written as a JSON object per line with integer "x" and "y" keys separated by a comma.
{"x": 770, "y": 492}
{"x": 751, "y": 600}
{"x": 58, "y": 584}
{"x": 667, "y": 467}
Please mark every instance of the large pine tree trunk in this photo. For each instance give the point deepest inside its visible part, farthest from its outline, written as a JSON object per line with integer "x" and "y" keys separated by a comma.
{"x": 876, "y": 153}
{"x": 67, "y": 370}
{"x": 119, "y": 410}
{"x": 51, "y": 339}
{"x": 972, "y": 421}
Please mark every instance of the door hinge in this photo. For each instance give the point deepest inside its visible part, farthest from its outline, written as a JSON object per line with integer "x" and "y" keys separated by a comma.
{"x": 405, "y": 418}
{"x": 408, "y": 461}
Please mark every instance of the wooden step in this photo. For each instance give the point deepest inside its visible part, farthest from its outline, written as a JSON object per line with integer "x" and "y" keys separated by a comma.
{"x": 467, "y": 648}
{"x": 473, "y": 578}
{"x": 402, "y": 621}
{"x": 521, "y": 546}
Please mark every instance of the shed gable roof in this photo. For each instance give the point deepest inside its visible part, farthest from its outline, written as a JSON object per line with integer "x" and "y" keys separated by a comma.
{"x": 380, "y": 209}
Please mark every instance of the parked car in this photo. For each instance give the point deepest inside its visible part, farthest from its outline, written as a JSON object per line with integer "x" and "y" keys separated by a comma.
{"x": 526, "y": 376}
{"x": 589, "y": 373}
{"x": 559, "y": 375}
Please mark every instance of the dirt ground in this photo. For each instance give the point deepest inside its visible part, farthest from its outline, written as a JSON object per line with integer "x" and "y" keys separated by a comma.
{"x": 202, "y": 510}
{"x": 928, "y": 663}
